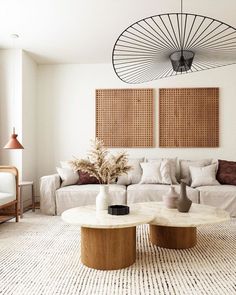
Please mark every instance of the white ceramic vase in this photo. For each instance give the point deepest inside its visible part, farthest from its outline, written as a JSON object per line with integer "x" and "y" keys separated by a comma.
{"x": 103, "y": 198}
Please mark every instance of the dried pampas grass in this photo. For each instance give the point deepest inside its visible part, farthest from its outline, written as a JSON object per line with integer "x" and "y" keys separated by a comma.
{"x": 102, "y": 164}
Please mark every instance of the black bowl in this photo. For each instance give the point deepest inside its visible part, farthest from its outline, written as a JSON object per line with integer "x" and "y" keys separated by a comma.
{"x": 118, "y": 210}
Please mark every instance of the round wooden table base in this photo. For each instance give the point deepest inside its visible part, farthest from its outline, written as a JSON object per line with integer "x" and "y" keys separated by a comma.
{"x": 173, "y": 237}
{"x": 108, "y": 249}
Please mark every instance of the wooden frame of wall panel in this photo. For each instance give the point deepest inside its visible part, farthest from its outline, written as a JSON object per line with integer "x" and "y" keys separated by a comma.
{"x": 125, "y": 117}
{"x": 189, "y": 117}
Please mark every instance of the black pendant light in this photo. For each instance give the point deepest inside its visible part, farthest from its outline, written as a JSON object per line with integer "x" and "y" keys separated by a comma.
{"x": 171, "y": 44}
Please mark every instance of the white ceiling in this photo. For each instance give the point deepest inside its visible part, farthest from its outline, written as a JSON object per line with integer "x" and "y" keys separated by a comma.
{"x": 84, "y": 31}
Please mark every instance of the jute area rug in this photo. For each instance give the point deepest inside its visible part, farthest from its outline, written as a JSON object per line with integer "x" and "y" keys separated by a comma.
{"x": 41, "y": 255}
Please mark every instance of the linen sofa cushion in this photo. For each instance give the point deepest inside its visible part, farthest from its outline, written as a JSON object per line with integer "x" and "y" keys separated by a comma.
{"x": 68, "y": 176}
{"x": 184, "y": 168}
{"x": 173, "y": 167}
{"x": 137, "y": 193}
{"x": 202, "y": 176}
{"x": 226, "y": 173}
{"x": 220, "y": 196}
{"x": 82, "y": 195}
{"x": 134, "y": 175}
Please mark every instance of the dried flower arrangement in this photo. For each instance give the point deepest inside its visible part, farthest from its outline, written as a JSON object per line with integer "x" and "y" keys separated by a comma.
{"x": 101, "y": 164}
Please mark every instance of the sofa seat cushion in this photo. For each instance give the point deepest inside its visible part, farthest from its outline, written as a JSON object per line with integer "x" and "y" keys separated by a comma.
{"x": 137, "y": 193}
{"x": 6, "y": 198}
{"x": 82, "y": 195}
{"x": 220, "y": 196}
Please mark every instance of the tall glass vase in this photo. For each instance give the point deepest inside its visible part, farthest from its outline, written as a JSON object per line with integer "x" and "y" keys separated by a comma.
{"x": 103, "y": 198}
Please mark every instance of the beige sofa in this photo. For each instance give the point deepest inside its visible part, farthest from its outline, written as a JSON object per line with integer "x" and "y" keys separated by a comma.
{"x": 56, "y": 199}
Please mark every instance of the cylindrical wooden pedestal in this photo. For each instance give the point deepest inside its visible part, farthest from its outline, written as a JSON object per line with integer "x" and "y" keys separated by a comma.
{"x": 173, "y": 237}
{"x": 108, "y": 249}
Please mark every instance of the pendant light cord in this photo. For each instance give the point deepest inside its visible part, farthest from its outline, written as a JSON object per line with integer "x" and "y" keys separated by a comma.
{"x": 181, "y": 26}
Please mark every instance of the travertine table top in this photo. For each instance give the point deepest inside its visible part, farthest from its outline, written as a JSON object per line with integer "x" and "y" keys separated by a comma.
{"x": 87, "y": 216}
{"x": 197, "y": 215}
{"x": 149, "y": 212}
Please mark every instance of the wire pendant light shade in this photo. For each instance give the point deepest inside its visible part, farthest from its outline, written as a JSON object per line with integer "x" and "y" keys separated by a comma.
{"x": 172, "y": 44}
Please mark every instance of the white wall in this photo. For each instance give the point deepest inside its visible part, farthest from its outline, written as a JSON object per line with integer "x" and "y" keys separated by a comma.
{"x": 66, "y": 111}
{"x": 29, "y": 82}
{"x": 18, "y": 77}
{"x": 10, "y": 104}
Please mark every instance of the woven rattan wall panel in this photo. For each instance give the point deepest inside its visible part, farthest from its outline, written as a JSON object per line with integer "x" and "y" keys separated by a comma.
{"x": 189, "y": 117}
{"x": 124, "y": 117}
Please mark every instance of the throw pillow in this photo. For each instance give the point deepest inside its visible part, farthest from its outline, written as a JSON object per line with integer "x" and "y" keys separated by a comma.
{"x": 203, "y": 176}
{"x": 226, "y": 173}
{"x": 173, "y": 167}
{"x": 68, "y": 176}
{"x": 165, "y": 170}
{"x": 184, "y": 168}
{"x": 85, "y": 178}
{"x": 134, "y": 175}
{"x": 151, "y": 172}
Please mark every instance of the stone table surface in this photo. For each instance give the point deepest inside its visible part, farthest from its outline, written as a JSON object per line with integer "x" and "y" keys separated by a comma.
{"x": 197, "y": 215}
{"x": 149, "y": 212}
{"x": 87, "y": 216}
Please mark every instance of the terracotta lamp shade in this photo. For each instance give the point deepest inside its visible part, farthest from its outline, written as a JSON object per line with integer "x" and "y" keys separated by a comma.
{"x": 13, "y": 143}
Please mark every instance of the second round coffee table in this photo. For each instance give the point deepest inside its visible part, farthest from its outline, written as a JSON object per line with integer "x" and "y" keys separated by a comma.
{"x": 108, "y": 242}
{"x": 175, "y": 230}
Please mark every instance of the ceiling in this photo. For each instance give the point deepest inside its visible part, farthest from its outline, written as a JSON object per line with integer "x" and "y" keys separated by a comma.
{"x": 84, "y": 31}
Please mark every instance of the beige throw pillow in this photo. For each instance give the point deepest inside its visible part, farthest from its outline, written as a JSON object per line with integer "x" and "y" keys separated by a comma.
{"x": 151, "y": 173}
{"x": 203, "y": 176}
{"x": 156, "y": 172}
{"x": 134, "y": 175}
{"x": 173, "y": 167}
{"x": 184, "y": 168}
{"x": 68, "y": 176}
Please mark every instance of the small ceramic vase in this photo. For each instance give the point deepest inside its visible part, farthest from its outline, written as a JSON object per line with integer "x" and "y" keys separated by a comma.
{"x": 103, "y": 198}
{"x": 184, "y": 203}
{"x": 170, "y": 199}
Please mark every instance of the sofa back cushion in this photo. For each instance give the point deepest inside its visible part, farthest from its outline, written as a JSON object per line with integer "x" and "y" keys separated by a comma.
{"x": 226, "y": 173}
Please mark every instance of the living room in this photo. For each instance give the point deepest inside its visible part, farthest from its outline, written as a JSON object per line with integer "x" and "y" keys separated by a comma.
{"x": 54, "y": 57}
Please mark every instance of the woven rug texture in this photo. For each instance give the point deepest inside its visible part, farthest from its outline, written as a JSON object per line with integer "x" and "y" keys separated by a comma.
{"x": 41, "y": 255}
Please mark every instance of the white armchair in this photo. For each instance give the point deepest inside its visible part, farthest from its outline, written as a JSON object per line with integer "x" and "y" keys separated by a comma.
{"x": 8, "y": 192}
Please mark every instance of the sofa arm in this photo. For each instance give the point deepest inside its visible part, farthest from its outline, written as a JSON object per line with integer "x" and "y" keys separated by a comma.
{"x": 48, "y": 186}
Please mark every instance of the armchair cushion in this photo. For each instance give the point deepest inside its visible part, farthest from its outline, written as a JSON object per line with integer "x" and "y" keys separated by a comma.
{"x": 6, "y": 198}
{"x": 8, "y": 183}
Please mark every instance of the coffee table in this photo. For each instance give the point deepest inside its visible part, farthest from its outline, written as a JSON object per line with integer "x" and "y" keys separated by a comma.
{"x": 108, "y": 242}
{"x": 175, "y": 230}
